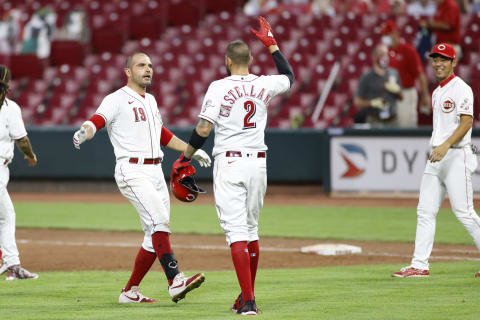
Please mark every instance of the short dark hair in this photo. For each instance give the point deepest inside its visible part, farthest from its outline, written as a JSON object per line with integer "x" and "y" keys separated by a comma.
{"x": 128, "y": 63}
{"x": 5, "y": 77}
{"x": 239, "y": 52}
{"x": 437, "y": 55}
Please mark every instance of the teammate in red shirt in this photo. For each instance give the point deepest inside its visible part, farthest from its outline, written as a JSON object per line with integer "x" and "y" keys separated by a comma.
{"x": 405, "y": 59}
{"x": 446, "y": 24}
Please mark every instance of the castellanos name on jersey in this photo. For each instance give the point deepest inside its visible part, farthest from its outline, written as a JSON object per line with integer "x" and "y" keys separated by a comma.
{"x": 237, "y": 105}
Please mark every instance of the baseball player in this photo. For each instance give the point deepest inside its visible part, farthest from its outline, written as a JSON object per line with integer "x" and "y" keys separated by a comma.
{"x": 237, "y": 106}
{"x": 136, "y": 131}
{"x": 451, "y": 163}
{"x": 12, "y": 130}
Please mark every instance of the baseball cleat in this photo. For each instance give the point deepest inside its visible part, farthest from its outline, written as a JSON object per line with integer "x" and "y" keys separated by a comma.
{"x": 182, "y": 285}
{"x": 237, "y": 304}
{"x": 248, "y": 309}
{"x": 134, "y": 296}
{"x": 16, "y": 272}
{"x": 410, "y": 272}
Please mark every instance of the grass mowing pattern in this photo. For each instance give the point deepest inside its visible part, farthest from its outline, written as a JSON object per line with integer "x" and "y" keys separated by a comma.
{"x": 361, "y": 292}
{"x": 344, "y": 223}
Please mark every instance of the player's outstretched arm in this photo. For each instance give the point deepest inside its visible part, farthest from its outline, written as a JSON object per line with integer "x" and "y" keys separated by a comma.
{"x": 265, "y": 34}
{"x": 192, "y": 150}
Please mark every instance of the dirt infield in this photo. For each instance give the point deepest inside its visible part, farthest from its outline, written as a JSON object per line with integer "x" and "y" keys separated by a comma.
{"x": 55, "y": 250}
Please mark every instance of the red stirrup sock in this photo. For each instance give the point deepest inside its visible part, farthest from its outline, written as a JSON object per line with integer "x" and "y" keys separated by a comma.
{"x": 143, "y": 262}
{"x": 254, "y": 251}
{"x": 241, "y": 261}
{"x": 161, "y": 245}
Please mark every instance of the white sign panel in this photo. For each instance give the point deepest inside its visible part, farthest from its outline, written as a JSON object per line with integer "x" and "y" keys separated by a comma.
{"x": 380, "y": 163}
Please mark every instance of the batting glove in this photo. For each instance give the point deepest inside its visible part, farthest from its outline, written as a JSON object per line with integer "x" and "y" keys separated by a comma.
{"x": 79, "y": 137}
{"x": 202, "y": 158}
{"x": 181, "y": 163}
{"x": 265, "y": 34}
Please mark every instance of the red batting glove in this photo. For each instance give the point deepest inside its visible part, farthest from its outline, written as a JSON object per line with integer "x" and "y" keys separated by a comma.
{"x": 181, "y": 162}
{"x": 265, "y": 34}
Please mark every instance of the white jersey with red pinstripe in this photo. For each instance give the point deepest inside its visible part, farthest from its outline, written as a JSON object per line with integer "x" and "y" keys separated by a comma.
{"x": 135, "y": 128}
{"x": 237, "y": 106}
{"x": 134, "y": 124}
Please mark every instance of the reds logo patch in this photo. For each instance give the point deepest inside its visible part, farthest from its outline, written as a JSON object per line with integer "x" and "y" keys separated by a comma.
{"x": 448, "y": 105}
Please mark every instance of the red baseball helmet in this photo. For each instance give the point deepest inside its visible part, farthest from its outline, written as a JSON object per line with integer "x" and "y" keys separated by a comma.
{"x": 183, "y": 184}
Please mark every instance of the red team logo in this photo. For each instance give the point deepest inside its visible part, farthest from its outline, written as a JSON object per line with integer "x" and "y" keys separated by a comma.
{"x": 448, "y": 105}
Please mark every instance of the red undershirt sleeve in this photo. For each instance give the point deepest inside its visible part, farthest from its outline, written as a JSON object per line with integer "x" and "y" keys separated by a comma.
{"x": 166, "y": 136}
{"x": 98, "y": 121}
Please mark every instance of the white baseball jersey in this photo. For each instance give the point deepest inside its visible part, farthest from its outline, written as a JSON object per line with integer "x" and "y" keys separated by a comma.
{"x": 452, "y": 98}
{"x": 237, "y": 105}
{"x": 451, "y": 175}
{"x": 134, "y": 124}
{"x": 11, "y": 128}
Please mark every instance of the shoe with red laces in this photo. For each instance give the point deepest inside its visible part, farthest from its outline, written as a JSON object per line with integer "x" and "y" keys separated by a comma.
{"x": 410, "y": 272}
{"x": 134, "y": 296}
{"x": 182, "y": 285}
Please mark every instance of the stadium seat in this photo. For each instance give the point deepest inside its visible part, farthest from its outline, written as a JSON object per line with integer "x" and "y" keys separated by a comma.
{"x": 67, "y": 52}
{"x": 26, "y": 65}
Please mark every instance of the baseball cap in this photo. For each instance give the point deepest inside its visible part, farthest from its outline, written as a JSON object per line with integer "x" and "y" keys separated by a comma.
{"x": 388, "y": 27}
{"x": 444, "y": 49}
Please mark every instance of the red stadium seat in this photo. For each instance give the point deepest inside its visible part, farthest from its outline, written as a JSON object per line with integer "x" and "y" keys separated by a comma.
{"x": 182, "y": 12}
{"x": 107, "y": 40}
{"x": 26, "y": 66}
{"x": 67, "y": 52}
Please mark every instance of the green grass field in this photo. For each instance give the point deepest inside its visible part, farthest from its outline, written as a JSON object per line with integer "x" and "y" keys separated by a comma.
{"x": 359, "y": 292}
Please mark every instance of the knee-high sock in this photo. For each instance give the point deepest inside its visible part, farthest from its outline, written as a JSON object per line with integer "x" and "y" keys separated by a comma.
{"x": 143, "y": 262}
{"x": 241, "y": 261}
{"x": 254, "y": 251}
{"x": 161, "y": 245}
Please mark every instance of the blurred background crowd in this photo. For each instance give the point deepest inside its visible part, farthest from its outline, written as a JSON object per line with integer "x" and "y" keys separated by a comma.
{"x": 66, "y": 55}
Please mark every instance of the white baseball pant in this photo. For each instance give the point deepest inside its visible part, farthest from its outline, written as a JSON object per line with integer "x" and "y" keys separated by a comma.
{"x": 452, "y": 175}
{"x": 7, "y": 221}
{"x": 145, "y": 187}
{"x": 239, "y": 184}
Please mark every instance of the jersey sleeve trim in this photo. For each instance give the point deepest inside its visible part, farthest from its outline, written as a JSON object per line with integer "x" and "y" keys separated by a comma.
{"x": 207, "y": 118}
{"x": 20, "y": 136}
{"x": 165, "y": 136}
{"x": 98, "y": 120}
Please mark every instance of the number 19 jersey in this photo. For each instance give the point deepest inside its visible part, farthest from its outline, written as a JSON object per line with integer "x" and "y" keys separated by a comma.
{"x": 237, "y": 106}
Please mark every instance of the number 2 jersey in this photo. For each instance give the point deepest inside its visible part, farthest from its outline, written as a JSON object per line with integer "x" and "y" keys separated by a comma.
{"x": 237, "y": 106}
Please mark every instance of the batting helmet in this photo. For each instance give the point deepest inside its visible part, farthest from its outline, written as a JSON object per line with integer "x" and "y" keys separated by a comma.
{"x": 183, "y": 184}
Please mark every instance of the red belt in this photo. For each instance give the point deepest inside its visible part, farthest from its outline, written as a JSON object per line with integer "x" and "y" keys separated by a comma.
{"x": 261, "y": 154}
{"x": 5, "y": 162}
{"x": 146, "y": 161}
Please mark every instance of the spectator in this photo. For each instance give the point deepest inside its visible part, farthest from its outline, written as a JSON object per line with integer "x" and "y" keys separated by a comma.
{"x": 475, "y": 6}
{"x": 323, "y": 7}
{"x": 10, "y": 32}
{"x": 260, "y": 7}
{"x": 422, "y": 8}
{"x": 446, "y": 24}
{"x": 378, "y": 91}
{"x": 38, "y": 33}
{"x": 405, "y": 59}
{"x": 75, "y": 27}
{"x": 355, "y": 6}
